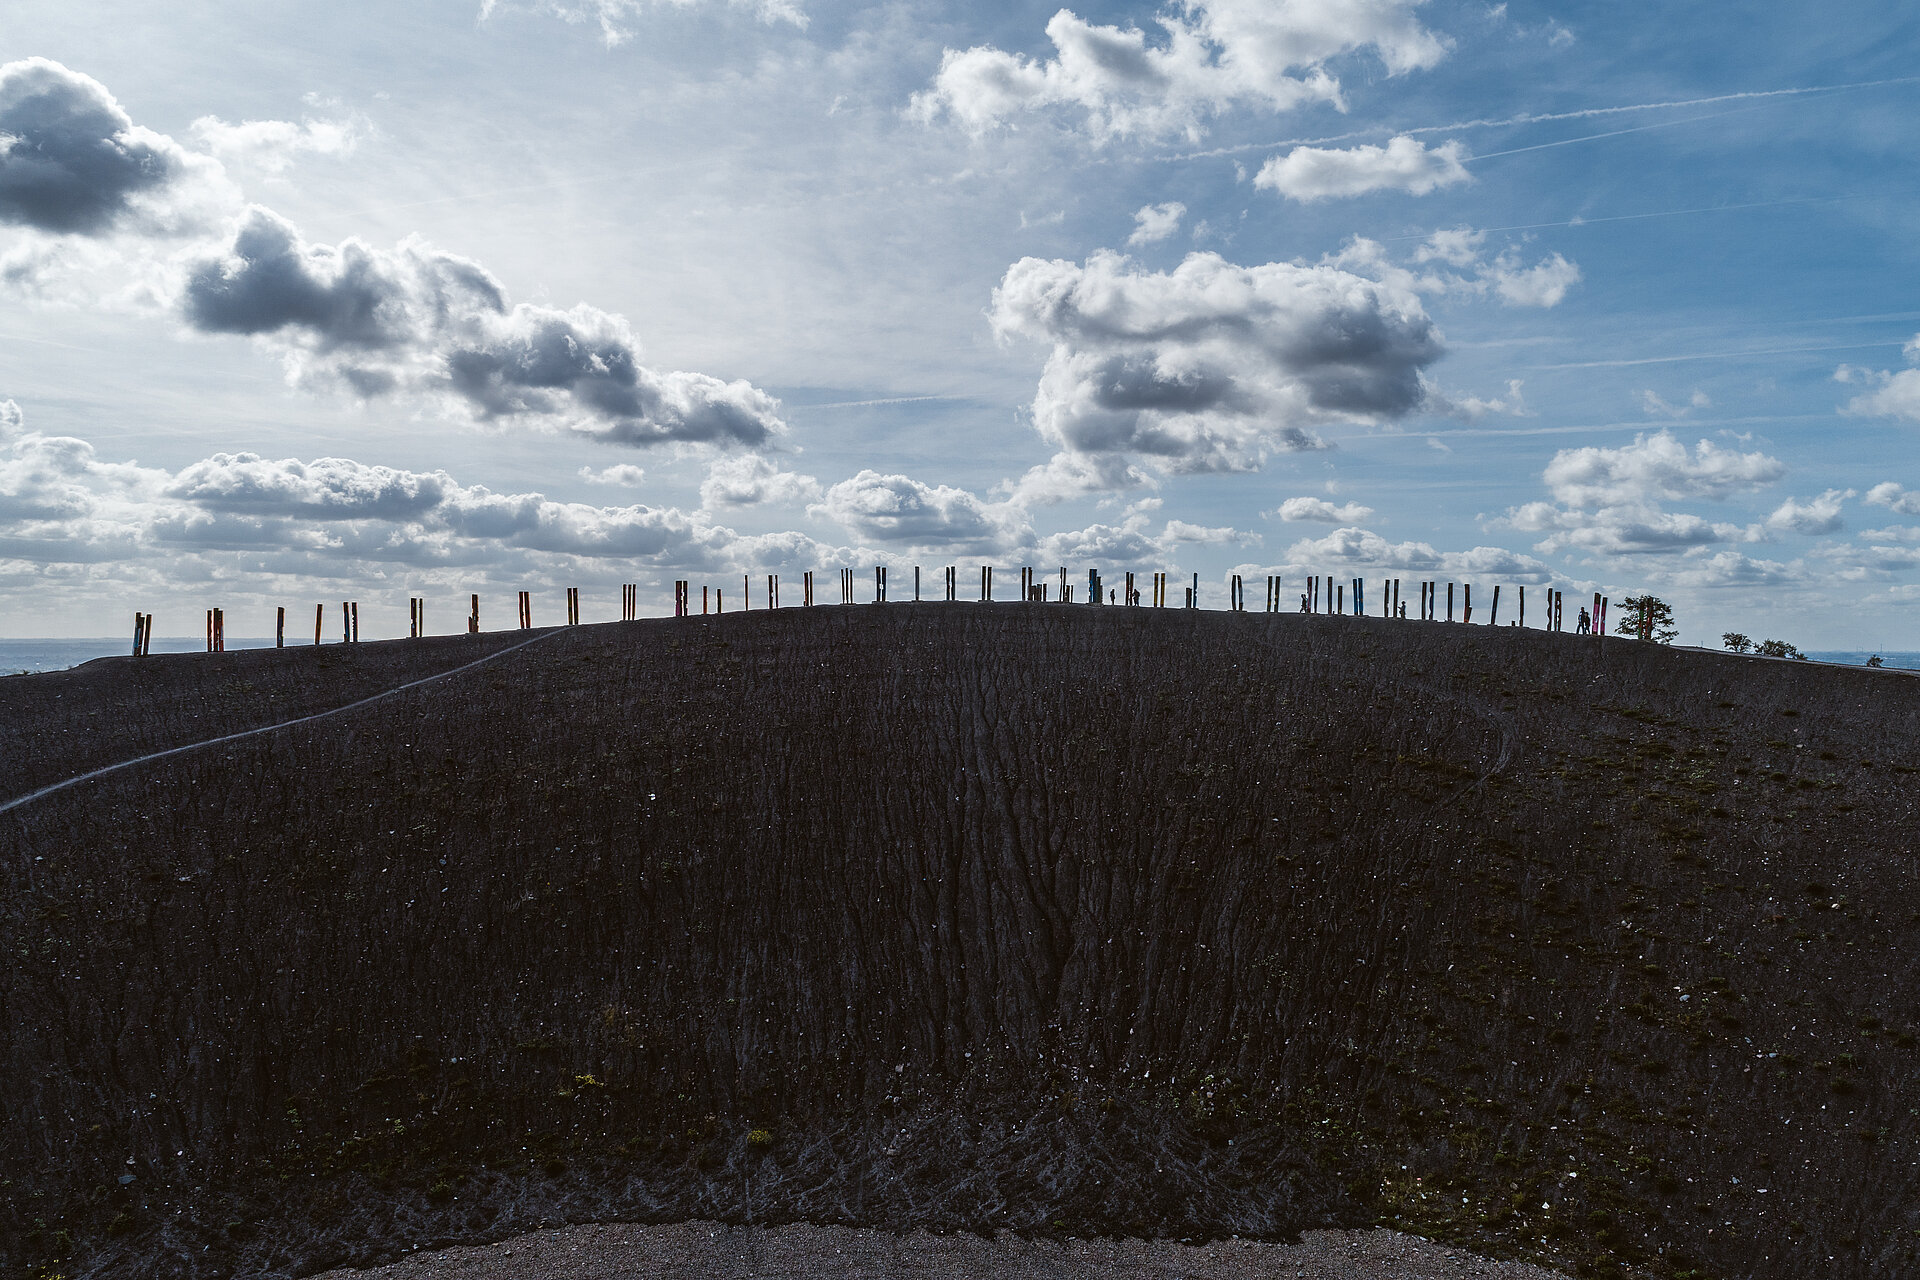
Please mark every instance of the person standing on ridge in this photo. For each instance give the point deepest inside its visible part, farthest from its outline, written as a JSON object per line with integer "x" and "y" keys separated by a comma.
{"x": 1586, "y": 623}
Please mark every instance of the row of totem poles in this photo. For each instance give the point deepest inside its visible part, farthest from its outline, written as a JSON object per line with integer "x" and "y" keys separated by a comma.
{"x": 1323, "y": 595}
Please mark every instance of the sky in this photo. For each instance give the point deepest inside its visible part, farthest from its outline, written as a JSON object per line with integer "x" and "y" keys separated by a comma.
{"x": 307, "y": 303}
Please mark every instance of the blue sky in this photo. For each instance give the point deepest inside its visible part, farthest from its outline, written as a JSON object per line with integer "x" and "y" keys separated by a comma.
{"x": 308, "y": 304}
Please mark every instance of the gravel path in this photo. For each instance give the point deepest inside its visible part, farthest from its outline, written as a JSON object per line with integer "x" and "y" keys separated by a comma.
{"x": 712, "y": 1251}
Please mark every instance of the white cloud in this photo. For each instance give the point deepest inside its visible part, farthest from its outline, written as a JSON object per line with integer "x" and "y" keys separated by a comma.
{"x": 73, "y": 163}
{"x": 1732, "y": 569}
{"x": 1612, "y": 498}
{"x": 624, "y": 474}
{"x": 1321, "y": 511}
{"x": 96, "y": 194}
{"x": 1208, "y": 367}
{"x": 747, "y": 480}
{"x": 272, "y": 146}
{"x": 1474, "y": 408}
{"x": 1656, "y": 467}
{"x": 1365, "y": 549}
{"x": 1815, "y": 516}
{"x": 1313, "y": 173}
{"x": 1635, "y": 529}
{"x": 1896, "y": 497}
{"x": 1212, "y": 55}
{"x": 897, "y": 509}
{"x": 613, "y": 16}
{"x": 1155, "y": 222}
{"x": 1894, "y": 395}
{"x": 1455, "y": 246}
{"x": 1656, "y": 406}
{"x": 1179, "y": 531}
{"x": 420, "y": 321}
{"x": 1544, "y": 284}
{"x": 240, "y": 514}
{"x": 1131, "y": 542}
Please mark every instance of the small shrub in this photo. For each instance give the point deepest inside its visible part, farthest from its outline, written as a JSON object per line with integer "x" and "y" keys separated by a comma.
{"x": 760, "y": 1138}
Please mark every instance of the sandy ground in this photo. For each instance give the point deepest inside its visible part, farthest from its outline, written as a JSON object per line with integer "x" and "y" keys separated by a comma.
{"x": 615, "y": 1251}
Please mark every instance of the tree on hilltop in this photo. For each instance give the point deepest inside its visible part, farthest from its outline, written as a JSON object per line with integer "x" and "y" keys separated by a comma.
{"x": 1649, "y": 616}
{"x": 1737, "y": 642}
{"x": 1779, "y": 649}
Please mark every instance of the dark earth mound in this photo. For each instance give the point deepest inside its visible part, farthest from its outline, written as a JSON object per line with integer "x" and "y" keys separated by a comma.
{"x": 1069, "y": 921}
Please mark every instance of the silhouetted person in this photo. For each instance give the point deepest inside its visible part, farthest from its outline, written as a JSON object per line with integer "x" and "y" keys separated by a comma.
{"x": 1586, "y": 623}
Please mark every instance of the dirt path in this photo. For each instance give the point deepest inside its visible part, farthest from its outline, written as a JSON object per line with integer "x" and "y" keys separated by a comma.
{"x": 102, "y": 771}
{"x": 712, "y": 1251}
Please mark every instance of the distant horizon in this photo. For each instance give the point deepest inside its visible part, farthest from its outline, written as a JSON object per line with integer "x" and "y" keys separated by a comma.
{"x": 80, "y": 649}
{"x": 1615, "y": 299}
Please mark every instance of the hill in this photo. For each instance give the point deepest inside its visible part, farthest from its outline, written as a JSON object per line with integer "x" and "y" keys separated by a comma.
{"x": 966, "y": 917}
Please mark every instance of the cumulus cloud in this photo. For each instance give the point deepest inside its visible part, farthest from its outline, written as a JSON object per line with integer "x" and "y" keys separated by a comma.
{"x": 1893, "y": 496}
{"x": 1474, "y": 408}
{"x": 1364, "y": 549}
{"x": 1179, "y": 531}
{"x": 1611, "y": 498}
{"x": 325, "y": 489}
{"x": 612, "y": 16}
{"x": 749, "y": 480}
{"x": 1633, "y": 529}
{"x": 1656, "y": 467}
{"x": 1209, "y": 367}
{"x": 272, "y": 146}
{"x": 1155, "y": 222}
{"x": 1816, "y": 515}
{"x": 1320, "y": 511}
{"x": 1131, "y": 542}
{"x": 1211, "y": 55}
{"x": 93, "y": 190}
{"x": 624, "y": 474}
{"x": 1656, "y": 406}
{"x": 72, "y": 162}
{"x": 1455, "y": 246}
{"x": 897, "y": 509}
{"x": 1314, "y": 173}
{"x": 1544, "y": 284}
{"x": 1453, "y": 261}
{"x": 418, "y": 320}
{"x": 1893, "y": 395}
{"x": 1732, "y": 569}
{"x": 61, "y": 504}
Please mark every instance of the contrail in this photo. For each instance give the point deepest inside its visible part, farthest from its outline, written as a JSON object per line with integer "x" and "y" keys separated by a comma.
{"x": 1675, "y": 425}
{"x": 1714, "y": 355}
{"x": 1544, "y": 117}
{"x": 1636, "y": 217}
{"x": 1611, "y": 133}
{"x": 861, "y": 404}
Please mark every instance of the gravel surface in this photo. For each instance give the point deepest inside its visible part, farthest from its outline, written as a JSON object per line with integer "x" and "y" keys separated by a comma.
{"x": 615, "y": 1251}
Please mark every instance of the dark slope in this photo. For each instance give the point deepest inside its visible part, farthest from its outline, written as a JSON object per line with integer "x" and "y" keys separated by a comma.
{"x": 970, "y": 917}
{"x": 63, "y": 723}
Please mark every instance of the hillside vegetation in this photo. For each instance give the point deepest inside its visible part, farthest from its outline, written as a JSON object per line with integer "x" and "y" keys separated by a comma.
{"x": 1066, "y": 920}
